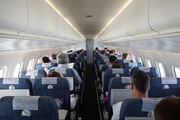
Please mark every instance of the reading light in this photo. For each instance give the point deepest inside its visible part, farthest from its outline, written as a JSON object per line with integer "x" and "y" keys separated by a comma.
{"x": 114, "y": 17}
{"x": 64, "y": 18}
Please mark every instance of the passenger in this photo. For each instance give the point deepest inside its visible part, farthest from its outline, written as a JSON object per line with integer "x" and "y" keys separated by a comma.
{"x": 112, "y": 59}
{"x": 45, "y": 60}
{"x": 168, "y": 109}
{"x": 53, "y": 58}
{"x": 75, "y": 56}
{"x": 140, "y": 84}
{"x": 78, "y": 53}
{"x": 105, "y": 49}
{"x": 54, "y": 74}
{"x": 62, "y": 59}
{"x": 72, "y": 60}
{"x": 102, "y": 53}
{"x": 114, "y": 65}
{"x": 73, "y": 99}
{"x": 125, "y": 56}
{"x": 111, "y": 52}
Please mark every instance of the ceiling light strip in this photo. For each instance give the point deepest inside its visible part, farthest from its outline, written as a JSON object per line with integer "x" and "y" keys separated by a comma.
{"x": 64, "y": 18}
{"x": 114, "y": 17}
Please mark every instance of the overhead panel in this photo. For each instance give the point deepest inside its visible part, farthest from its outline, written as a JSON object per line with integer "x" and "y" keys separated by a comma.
{"x": 76, "y": 11}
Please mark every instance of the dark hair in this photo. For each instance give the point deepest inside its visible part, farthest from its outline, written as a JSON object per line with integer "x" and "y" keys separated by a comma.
{"x": 111, "y": 52}
{"x": 116, "y": 65}
{"x": 124, "y": 55}
{"x": 112, "y": 59}
{"x": 54, "y": 74}
{"x": 96, "y": 48}
{"x": 102, "y": 52}
{"x": 141, "y": 81}
{"x": 74, "y": 55}
{"x": 72, "y": 60}
{"x": 105, "y": 48}
{"x": 45, "y": 60}
{"x": 168, "y": 109}
{"x": 78, "y": 52}
{"x": 53, "y": 56}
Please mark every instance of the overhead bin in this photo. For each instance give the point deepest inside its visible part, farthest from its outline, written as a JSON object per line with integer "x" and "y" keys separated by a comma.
{"x": 35, "y": 19}
{"x": 13, "y": 16}
{"x": 164, "y": 16}
{"x": 132, "y": 22}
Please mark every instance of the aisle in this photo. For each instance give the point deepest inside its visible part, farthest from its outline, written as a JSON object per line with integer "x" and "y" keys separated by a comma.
{"x": 89, "y": 109}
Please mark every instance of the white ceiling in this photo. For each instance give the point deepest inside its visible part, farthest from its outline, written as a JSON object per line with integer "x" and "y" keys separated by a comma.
{"x": 76, "y": 11}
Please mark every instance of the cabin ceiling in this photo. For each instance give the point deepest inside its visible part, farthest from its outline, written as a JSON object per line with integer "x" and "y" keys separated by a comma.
{"x": 76, "y": 11}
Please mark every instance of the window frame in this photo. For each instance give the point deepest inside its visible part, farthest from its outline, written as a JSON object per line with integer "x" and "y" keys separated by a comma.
{"x": 30, "y": 65}
{"x": 4, "y": 68}
{"x": 174, "y": 71}
{"x": 139, "y": 59}
{"x": 159, "y": 70}
{"x": 148, "y": 64}
{"x": 19, "y": 69}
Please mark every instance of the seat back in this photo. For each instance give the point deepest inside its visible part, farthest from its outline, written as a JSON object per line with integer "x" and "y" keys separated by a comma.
{"x": 132, "y": 64}
{"x": 109, "y": 73}
{"x": 16, "y": 92}
{"x": 16, "y": 83}
{"x": 137, "y": 107}
{"x": 41, "y": 66}
{"x": 42, "y": 108}
{"x": 124, "y": 61}
{"x": 57, "y": 88}
{"x": 102, "y": 62}
{"x": 31, "y": 74}
{"x": 151, "y": 71}
{"x": 163, "y": 87}
{"x": 66, "y": 73}
{"x": 116, "y": 83}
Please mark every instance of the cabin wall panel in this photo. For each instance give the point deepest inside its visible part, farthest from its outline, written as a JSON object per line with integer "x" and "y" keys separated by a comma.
{"x": 10, "y": 60}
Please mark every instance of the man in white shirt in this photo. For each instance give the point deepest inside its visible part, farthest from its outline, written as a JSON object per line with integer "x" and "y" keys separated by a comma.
{"x": 140, "y": 84}
{"x": 62, "y": 59}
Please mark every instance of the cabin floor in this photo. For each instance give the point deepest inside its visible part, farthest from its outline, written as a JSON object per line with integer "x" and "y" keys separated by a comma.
{"x": 89, "y": 108}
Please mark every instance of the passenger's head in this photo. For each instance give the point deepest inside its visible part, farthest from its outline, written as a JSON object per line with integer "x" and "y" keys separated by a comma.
{"x": 116, "y": 65}
{"x": 72, "y": 60}
{"x": 96, "y": 48}
{"x": 102, "y": 52}
{"x": 110, "y": 52}
{"x": 168, "y": 109}
{"x": 53, "y": 56}
{"x": 125, "y": 56}
{"x": 62, "y": 58}
{"x": 113, "y": 51}
{"x": 112, "y": 59}
{"x": 140, "y": 84}
{"x": 105, "y": 49}
{"x": 54, "y": 74}
{"x": 68, "y": 51}
{"x": 78, "y": 52}
{"x": 75, "y": 55}
{"x": 45, "y": 60}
